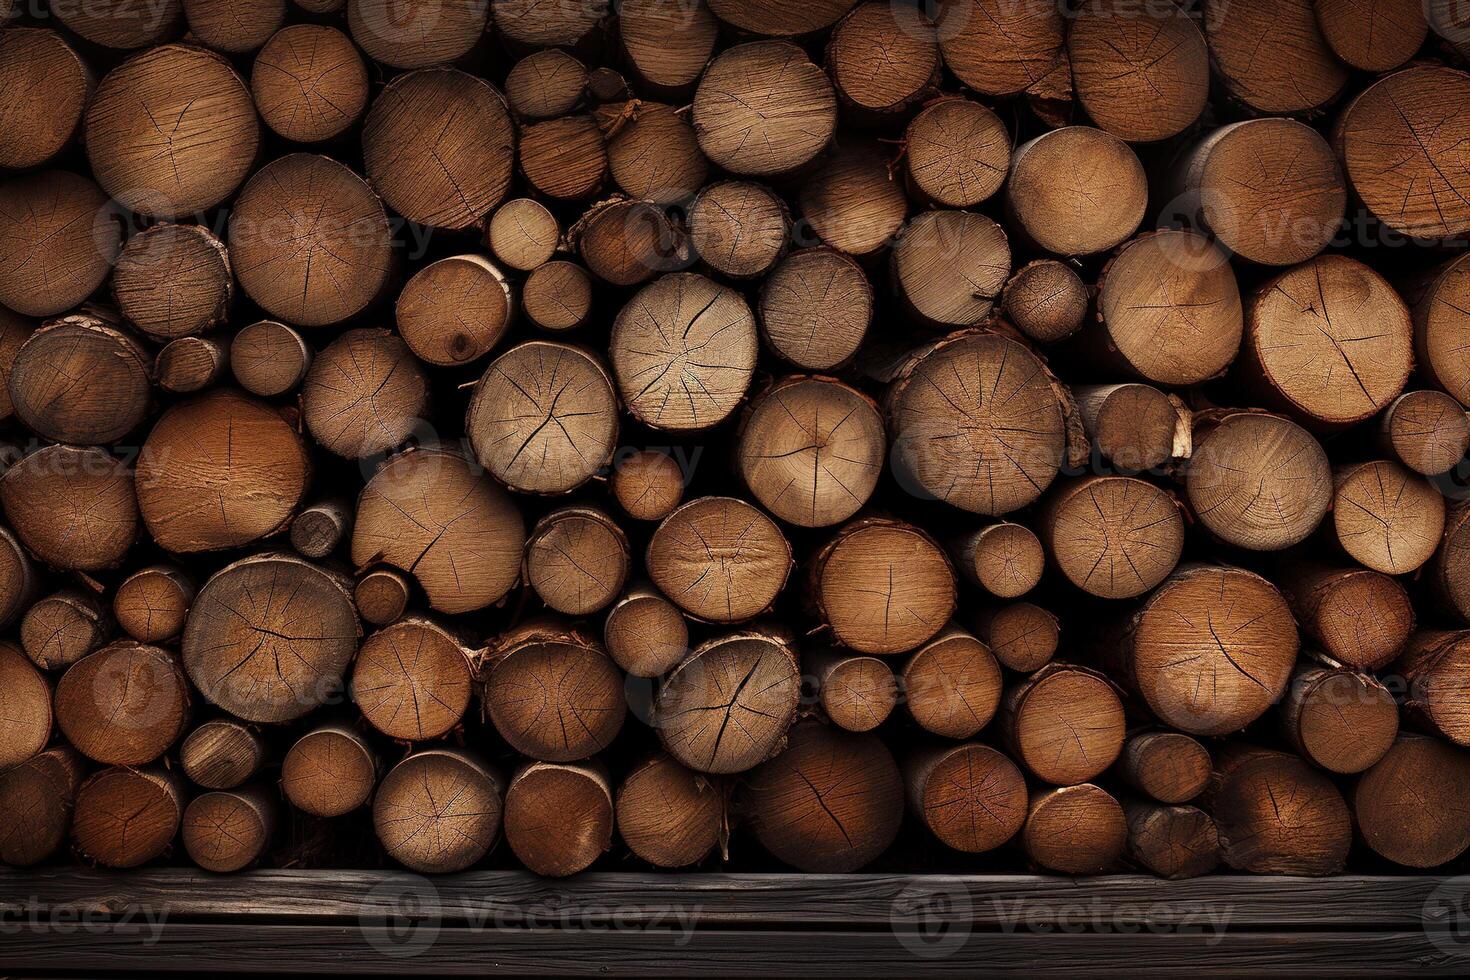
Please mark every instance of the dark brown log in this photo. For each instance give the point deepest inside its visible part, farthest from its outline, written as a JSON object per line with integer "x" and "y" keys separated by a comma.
{"x": 309, "y": 83}
{"x": 269, "y": 358}
{"x": 17, "y": 578}
{"x": 191, "y": 364}
{"x": 815, "y": 308}
{"x": 1045, "y": 300}
{"x": 1168, "y": 766}
{"x": 1376, "y": 36}
{"x": 1209, "y": 651}
{"x": 1337, "y": 718}
{"x": 545, "y": 84}
{"x": 652, "y": 152}
{"x": 851, "y": 203}
{"x": 412, "y": 680}
{"x": 1172, "y": 842}
{"x": 340, "y": 253}
{"x": 1449, "y": 579}
{"x": 62, "y": 628}
{"x": 1142, "y": 72}
{"x": 577, "y": 560}
{"x": 1381, "y": 135}
{"x": 1387, "y": 517}
{"x": 1077, "y": 830}
{"x": 1434, "y": 666}
{"x": 1258, "y": 481}
{"x": 173, "y": 281}
{"x": 439, "y": 810}
{"x": 1000, "y": 48}
{"x": 364, "y": 394}
{"x": 1269, "y": 190}
{"x": 73, "y": 507}
{"x": 1278, "y": 815}
{"x": 543, "y": 418}
{"x": 830, "y": 803}
{"x": 763, "y": 109}
{"x": 221, "y": 754}
{"x": 1359, "y": 617}
{"x": 882, "y": 586}
{"x": 1022, "y": 636}
{"x": 719, "y": 559}
{"x": 44, "y": 86}
{"x": 727, "y": 706}
{"x": 738, "y": 228}
{"x": 200, "y": 160}
{"x": 329, "y": 771}
{"x": 381, "y": 595}
{"x": 1063, "y": 723}
{"x": 558, "y": 818}
{"x": 451, "y": 527}
{"x": 1439, "y": 318}
{"x": 36, "y": 797}
{"x": 439, "y": 146}
{"x": 627, "y": 242}
{"x": 1409, "y": 806}
{"x": 428, "y": 32}
{"x": 528, "y": 23}
{"x": 15, "y": 330}
{"x": 557, "y": 296}
{"x": 645, "y": 633}
{"x": 564, "y": 158}
{"x": 121, "y": 23}
{"x": 1428, "y": 431}
{"x": 956, "y": 153}
{"x": 970, "y": 796}
{"x": 952, "y": 685}
{"x": 125, "y": 817}
{"x": 227, "y": 830}
{"x": 648, "y": 485}
{"x": 47, "y": 399}
{"x": 523, "y": 234}
{"x": 125, "y": 705}
{"x": 1273, "y": 60}
{"x": 670, "y": 816}
{"x": 1005, "y": 559}
{"x": 455, "y": 310}
{"x": 60, "y": 240}
{"x": 1075, "y": 191}
{"x": 883, "y": 61}
{"x": 981, "y": 454}
{"x": 1168, "y": 310}
{"x": 552, "y": 692}
{"x": 857, "y": 693}
{"x": 667, "y": 45}
{"x": 220, "y": 471}
{"x": 25, "y": 728}
{"x": 1135, "y": 426}
{"x": 269, "y": 637}
{"x": 1112, "y": 536}
{"x": 950, "y": 267}
{"x": 776, "y": 19}
{"x": 319, "y": 529}
{"x": 811, "y": 450}
{"x": 234, "y": 28}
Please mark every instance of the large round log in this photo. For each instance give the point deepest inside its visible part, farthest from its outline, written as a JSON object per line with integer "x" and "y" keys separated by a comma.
{"x": 439, "y": 810}
{"x": 668, "y": 815}
{"x": 1278, "y": 815}
{"x": 763, "y": 109}
{"x": 1408, "y": 805}
{"x": 412, "y": 680}
{"x": 719, "y": 559}
{"x": 126, "y": 704}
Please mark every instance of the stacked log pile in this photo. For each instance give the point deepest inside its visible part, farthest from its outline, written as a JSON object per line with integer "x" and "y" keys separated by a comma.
{"x": 735, "y": 433}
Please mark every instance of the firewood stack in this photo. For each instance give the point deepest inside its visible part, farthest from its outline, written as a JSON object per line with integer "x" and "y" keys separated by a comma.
{"x": 735, "y": 433}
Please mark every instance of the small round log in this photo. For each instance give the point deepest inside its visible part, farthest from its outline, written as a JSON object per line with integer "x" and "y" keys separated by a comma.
{"x": 738, "y": 228}
{"x": 206, "y": 151}
{"x": 654, "y": 156}
{"x": 1022, "y": 635}
{"x": 439, "y": 810}
{"x": 558, "y": 818}
{"x": 173, "y": 281}
{"x": 1112, "y": 536}
{"x": 220, "y": 471}
{"x": 956, "y": 153}
{"x": 1278, "y": 815}
{"x": 73, "y": 507}
{"x": 950, "y": 268}
{"x": 1075, "y": 191}
{"x": 883, "y": 61}
{"x": 455, "y": 530}
{"x": 309, "y": 83}
{"x": 1439, "y": 322}
{"x": 36, "y": 797}
{"x": 850, "y": 202}
{"x": 1135, "y": 426}
{"x": 1172, "y": 842}
{"x": 61, "y": 238}
{"x": 763, "y": 109}
{"x": 545, "y": 84}
{"x": 1000, "y": 48}
{"x": 269, "y": 359}
{"x": 1427, "y": 430}
{"x": 47, "y": 399}
{"x": 44, "y": 86}
{"x": 1359, "y": 617}
{"x": 25, "y": 728}
{"x": 329, "y": 771}
{"x": 1377, "y": 36}
{"x": 815, "y": 308}
{"x": 830, "y": 803}
{"x": 1004, "y": 559}
{"x": 1434, "y": 665}
{"x": 1337, "y": 718}
{"x": 727, "y": 706}
{"x": 317, "y": 530}
{"x": 532, "y": 24}
{"x": 364, "y": 394}
{"x": 670, "y": 816}
{"x": 625, "y": 242}
{"x": 645, "y": 634}
{"x": 125, "y": 817}
{"x": 412, "y": 680}
{"x": 648, "y": 485}
{"x": 269, "y": 637}
{"x": 543, "y": 418}
{"x": 557, "y": 296}
{"x": 1170, "y": 767}
{"x": 62, "y": 628}
{"x": 191, "y": 364}
{"x": 1408, "y": 805}
{"x": 565, "y": 158}
{"x": 234, "y": 28}
{"x": 429, "y": 32}
{"x": 124, "y": 705}
{"x": 719, "y": 559}
{"x": 553, "y": 693}
{"x": 121, "y": 24}
{"x": 970, "y": 796}
{"x": 857, "y": 693}
{"x": 455, "y": 310}
{"x": 226, "y": 830}
{"x": 523, "y": 234}
{"x": 952, "y": 685}
{"x": 221, "y": 754}
{"x": 17, "y": 578}
{"x": 577, "y": 560}
{"x": 1386, "y": 517}
{"x": 666, "y": 46}
{"x": 1064, "y": 724}
{"x": 1077, "y": 830}
{"x": 1273, "y": 60}
{"x": 1045, "y": 300}
{"x": 381, "y": 595}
